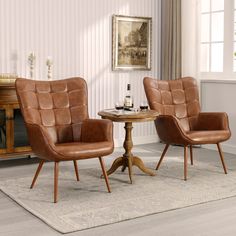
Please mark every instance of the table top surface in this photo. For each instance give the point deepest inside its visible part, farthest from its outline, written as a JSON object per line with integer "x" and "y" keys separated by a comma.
{"x": 128, "y": 116}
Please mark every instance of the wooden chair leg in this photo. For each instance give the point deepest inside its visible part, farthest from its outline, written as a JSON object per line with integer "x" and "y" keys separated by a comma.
{"x": 191, "y": 154}
{"x": 37, "y": 173}
{"x": 104, "y": 174}
{"x": 185, "y": 162}
{"x": 222, "y": 158}
{"x": 56, "y": 168}
{"x": 76, "y": 170}
{"x": 162, "y": 156}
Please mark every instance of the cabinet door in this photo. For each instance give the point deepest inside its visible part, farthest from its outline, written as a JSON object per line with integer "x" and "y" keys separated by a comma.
{"x": 3, "y": 144}
{"x": 20, "y": 133}
{"x": 13, "y": 135}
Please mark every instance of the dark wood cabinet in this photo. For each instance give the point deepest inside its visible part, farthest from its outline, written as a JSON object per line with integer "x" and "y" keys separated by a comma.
{"x": 13, "y": 136}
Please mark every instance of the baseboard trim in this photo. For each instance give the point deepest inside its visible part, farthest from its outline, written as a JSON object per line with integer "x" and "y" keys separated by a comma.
{"x": 225, "y": 147}
{"x": 138, "y": 140}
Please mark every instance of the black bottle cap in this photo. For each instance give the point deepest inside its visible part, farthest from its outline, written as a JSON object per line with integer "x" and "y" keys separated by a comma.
{"x": 128, "y": 86}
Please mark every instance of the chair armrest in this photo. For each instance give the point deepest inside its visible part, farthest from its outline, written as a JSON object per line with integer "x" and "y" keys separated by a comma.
{"x": 170, "y": 130}
{"x": 40, "y": 142}
{"x": 97, "y": 130}
{"x": 212, "y": 121}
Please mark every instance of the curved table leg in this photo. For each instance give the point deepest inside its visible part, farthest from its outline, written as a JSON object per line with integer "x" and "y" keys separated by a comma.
{"x": 123, "y": 168}
{"x": 117, "y": 163}
{"x": 130, "y": 163}
{"x": 139, "y": 163}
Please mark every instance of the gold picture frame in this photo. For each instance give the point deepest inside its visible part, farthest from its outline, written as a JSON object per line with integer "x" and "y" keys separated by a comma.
{"x": 131, "y": 42}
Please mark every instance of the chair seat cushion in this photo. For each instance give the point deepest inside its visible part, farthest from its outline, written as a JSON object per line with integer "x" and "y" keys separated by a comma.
{"x": 81, "y": 150}
{"x": 208, "y": 136}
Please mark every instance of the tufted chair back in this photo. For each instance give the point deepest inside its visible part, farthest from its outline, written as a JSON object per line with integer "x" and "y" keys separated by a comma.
{"x": 59, "y": 106}
{"x": 174, "y": 97}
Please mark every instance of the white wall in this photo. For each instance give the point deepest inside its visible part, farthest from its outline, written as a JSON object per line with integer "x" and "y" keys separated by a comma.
{"x": 78, "y": 36}
{"x": 190, "y": 38}
{"x": 219, "y": 95}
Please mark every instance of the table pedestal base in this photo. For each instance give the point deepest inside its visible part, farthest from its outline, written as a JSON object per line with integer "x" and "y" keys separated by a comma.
{"x": 129, "y": 162}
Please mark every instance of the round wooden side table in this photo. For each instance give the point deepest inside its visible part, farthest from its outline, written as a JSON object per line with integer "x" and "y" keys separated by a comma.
{"x": 128, "y": 159}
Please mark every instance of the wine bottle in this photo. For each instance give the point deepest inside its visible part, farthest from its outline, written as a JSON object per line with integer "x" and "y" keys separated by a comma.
{"x": 128, "y": 101}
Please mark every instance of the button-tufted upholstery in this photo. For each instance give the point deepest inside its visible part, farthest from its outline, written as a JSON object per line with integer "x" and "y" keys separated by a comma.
{"x": 57, "y": 121}
{"x": 178, "y": 98}
{"x": 180, "y": 120}
{"x": 59, "y": 106}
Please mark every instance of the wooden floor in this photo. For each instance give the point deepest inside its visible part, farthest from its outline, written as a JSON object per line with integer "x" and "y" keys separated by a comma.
{"x": 213, "y": 218}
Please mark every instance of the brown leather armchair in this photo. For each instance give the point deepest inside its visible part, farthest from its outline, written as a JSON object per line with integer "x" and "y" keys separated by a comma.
{"x": 180, "y": 121}
{"x": 58, "y": 125}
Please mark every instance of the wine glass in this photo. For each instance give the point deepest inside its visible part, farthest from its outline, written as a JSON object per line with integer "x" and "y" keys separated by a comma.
{"x": 143, "y": 106}
{"x": 119, "y": 106}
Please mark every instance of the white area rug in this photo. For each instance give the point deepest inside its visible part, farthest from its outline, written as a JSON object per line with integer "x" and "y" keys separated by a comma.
{"x": 87, "y": 204}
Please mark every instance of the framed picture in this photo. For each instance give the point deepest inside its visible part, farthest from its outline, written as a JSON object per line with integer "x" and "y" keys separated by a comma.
{"x": 131, "y": 42}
